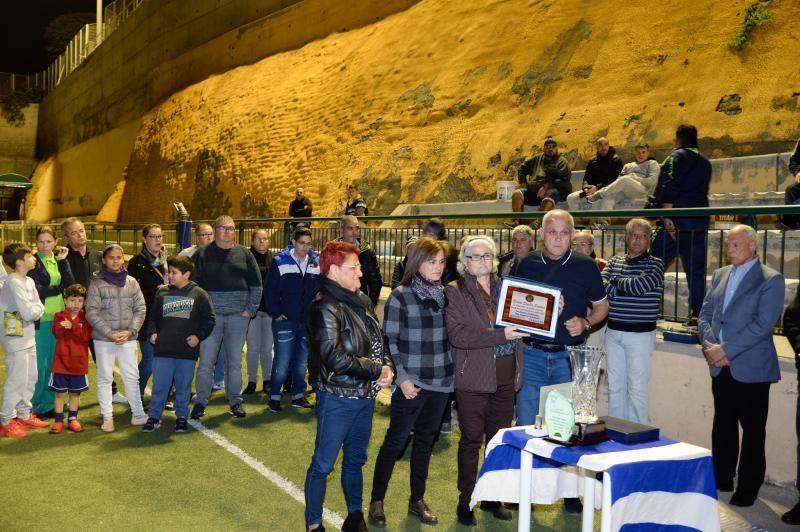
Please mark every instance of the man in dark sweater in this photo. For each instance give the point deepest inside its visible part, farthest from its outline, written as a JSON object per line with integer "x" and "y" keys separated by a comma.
{"x": 181, "y": 317}
{"x": 84, "y": 261}
{"x": 259, "y": 332}
{"x": 371, "y": 281}
{"x": 300, "y": 207}
{"x": 545, "y": 176}
{"x": 230, "y": 275}
{"x": 600, "y": 172}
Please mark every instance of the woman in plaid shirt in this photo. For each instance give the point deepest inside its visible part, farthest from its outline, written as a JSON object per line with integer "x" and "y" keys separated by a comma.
{"x": 415, "y": 330}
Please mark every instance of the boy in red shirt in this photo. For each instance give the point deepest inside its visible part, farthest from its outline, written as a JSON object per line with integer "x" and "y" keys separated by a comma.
{"x": 71, "y": 359}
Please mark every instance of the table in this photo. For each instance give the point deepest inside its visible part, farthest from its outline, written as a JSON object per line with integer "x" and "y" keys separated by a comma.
{"x": 663, "y": 482}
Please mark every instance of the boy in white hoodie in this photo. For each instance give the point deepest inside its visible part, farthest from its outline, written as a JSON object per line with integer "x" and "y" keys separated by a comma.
{"x": 21, "y": 307}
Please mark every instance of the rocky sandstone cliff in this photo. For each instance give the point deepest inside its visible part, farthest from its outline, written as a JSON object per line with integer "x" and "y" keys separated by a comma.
{"x": 440, "y": 101}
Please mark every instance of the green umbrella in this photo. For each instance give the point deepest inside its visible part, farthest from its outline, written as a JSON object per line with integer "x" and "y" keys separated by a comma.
{"x": 15, "y": 181}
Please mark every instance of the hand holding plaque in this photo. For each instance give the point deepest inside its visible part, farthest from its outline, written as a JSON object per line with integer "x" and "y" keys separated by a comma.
{"x": 529, "y": 306}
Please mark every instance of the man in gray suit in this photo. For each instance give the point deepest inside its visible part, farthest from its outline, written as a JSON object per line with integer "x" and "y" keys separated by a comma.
{"x": 735, "y": 325}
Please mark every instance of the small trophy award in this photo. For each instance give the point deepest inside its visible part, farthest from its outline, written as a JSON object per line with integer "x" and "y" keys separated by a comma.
{"x": 585, "y": 360}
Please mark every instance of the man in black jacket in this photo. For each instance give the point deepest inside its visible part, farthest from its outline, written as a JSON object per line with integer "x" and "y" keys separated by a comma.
{"x": 371, "y": 282}
{"x": 791, "y": 328}
{"x": 543, "y": 176}
{"x": 600, "y": 172}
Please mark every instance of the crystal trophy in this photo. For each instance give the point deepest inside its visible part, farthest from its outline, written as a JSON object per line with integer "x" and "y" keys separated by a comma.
{"x": 585, "y": 361}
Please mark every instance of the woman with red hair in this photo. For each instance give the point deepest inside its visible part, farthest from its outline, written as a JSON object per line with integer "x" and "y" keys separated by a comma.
{"x": 348, "y": 364}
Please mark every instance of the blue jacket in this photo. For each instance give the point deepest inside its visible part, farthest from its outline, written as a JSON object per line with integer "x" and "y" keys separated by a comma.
{"x": 683, "y": 182}
{"x": 288, "y": 290}
{"x": 746, "y": 324}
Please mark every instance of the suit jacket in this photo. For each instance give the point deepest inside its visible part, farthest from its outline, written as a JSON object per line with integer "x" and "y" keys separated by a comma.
{"x": 747, "y": 322}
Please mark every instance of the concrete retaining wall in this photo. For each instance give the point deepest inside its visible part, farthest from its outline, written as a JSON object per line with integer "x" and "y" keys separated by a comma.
{"x": 168, "y": 45}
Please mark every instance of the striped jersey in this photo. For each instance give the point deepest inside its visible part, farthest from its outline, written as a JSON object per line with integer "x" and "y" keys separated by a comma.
{"x": 634, "y": 287}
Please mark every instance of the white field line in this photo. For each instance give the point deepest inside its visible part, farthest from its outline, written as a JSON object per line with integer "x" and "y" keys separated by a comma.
{"x": 282, "y": 483}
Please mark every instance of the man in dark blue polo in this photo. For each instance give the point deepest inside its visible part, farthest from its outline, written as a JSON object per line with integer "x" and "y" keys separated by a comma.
{"x": 547, "y": 362}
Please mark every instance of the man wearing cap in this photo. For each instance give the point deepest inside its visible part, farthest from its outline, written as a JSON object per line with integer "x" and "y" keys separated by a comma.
{"x": 545, "y": 179}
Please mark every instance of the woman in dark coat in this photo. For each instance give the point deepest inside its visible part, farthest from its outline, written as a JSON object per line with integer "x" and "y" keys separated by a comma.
{"x": 488, "y": 362}
{"x": 149, "y": 268}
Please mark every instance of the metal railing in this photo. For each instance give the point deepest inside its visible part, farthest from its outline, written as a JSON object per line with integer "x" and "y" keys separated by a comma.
{"x": 76, "y": 52}
{"x": 778, "y": 247}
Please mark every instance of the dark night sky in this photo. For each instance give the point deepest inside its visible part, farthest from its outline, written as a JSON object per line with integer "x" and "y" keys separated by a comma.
{"x": 23, "y": 26}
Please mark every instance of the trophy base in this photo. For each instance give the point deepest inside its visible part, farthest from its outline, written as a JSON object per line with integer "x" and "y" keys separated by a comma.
{"x": 589, "y": 433}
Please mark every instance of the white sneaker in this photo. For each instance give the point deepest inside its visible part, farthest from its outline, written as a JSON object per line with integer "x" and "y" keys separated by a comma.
{"x": 218, "y": 385}
{"x": 119, "y": 399}
{"x": 141, "y": 420}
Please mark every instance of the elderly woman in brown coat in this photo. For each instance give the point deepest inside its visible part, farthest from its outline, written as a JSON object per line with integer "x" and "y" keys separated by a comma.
{"x": 488, "y": 364}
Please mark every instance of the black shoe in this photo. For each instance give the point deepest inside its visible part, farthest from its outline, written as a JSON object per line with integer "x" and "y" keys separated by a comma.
{"x": 465, "y": 515}
{"x": 50, "y": 414}
{"x": 301, "y": 403}
{"x": 181, "y": 425}
{"x": 169, "y": 405}
{"x": 265, "y": 389}
{"x": 740, "y": 498}
{"x": 573, "y": 505}
{"x": 151, "y": 424}
{"x": 421, "y": 511}
{"x": 198, "y": 411}
{"x": 275, "y": 406}
{"x": 250, "y": 389}
{"x": 498, "y": 510}
{"x": 236, "y": 410}
{"x": 376, "y": 515}
{"x": 354, "y": 522}
{"x": 691, "y": 322}
{"x": 792, "y": 517}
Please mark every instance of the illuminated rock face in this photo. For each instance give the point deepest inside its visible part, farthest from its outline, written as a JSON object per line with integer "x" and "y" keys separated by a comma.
{"x": 440, "y": 101}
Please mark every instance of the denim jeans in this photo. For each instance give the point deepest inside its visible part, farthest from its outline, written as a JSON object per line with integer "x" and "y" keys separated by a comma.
{"x": 628, "y": 367}
{"x": 167, "y": 370}
{"x": 341, "y": 422}
{"x": 540, "y": 368}
{"x": 423, "y": 416}
{"x": 145, "y": 364}
{"x": 291, "y": 356}
{"x": 219, "y": 367}
{"x": 259, "y": 347}
{"x": 229, "y": 330}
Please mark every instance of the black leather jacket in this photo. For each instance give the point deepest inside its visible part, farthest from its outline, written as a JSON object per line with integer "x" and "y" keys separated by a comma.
{"x": 341, "y": 361}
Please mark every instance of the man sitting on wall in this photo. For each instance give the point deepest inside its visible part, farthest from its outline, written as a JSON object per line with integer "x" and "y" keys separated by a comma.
{"x": 600, "y": 172}
{"x": 545, "y": 179}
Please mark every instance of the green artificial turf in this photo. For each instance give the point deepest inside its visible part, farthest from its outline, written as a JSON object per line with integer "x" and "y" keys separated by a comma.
{"x": 130, "y": 480}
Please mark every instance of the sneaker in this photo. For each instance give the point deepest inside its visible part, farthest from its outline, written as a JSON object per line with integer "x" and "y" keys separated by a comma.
{"x": 108, "y": 424}
{"x": 151, "y": 424}
{"x": 275, "y": 406}
{"x": 250, "y": 389}
{"x": 236, "y": 410}
{"x": 34, "y": 422}
{"x": 354, "y": 522}
{"x": 181, "y": 425}
{"x": 138, "y": 420}
{"x": 57, "y": 427}
{"x": 13, "y": 429}
{"x": 119, "y": 399}
{"x": 218, "y": 385}
{"x": 198, "y": 411}
{"x": 265, "y": 388}
{"x": 792, "y": 517}
{"x": 169, "y": 406}
{"x": 74, "y": 425}
{"x": 301, "y": 403}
